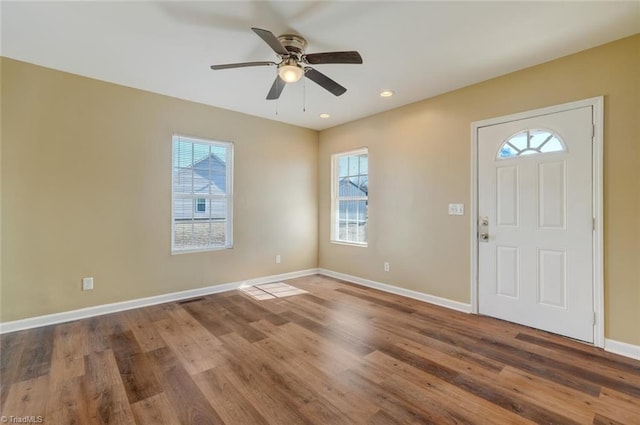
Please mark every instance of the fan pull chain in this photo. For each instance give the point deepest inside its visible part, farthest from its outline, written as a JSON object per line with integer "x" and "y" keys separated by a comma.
{"x": 304, "y": 96}
{"x": 277, "y": 104}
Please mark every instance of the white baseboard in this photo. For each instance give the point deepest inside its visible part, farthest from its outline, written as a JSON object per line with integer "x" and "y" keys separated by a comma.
{"x": 67, "y": 316}
{"x": 622, "y": 348}
{"x": 420, "y": 296}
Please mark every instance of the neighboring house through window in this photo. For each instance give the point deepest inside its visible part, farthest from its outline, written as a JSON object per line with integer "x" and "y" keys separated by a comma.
{"x": 202, "y": 194}
{"x": 350, "y": 197}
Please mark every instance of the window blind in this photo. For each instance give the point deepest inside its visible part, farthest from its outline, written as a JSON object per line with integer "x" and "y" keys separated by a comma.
{"x": 202, "y": 194}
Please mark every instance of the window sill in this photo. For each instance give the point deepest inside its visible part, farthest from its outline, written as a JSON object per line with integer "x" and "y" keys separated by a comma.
{"x": 195, "y": 250}
{"x": 358, "y": 244}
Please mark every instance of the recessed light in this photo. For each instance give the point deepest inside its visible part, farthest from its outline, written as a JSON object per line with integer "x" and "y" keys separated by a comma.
{"x": 324, "y": 116}
{"x": 386, "y": 93}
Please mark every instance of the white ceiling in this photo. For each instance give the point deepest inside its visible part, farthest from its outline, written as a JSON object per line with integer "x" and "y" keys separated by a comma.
{"x": 417, "y": 49}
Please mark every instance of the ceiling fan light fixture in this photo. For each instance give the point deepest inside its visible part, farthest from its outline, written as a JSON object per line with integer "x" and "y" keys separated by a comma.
{"x": 291, "y": 49}
{"x": 290, "y": 72}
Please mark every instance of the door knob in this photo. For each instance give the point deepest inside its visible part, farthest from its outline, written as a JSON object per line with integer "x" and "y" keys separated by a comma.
{"x": 483, "y": 234}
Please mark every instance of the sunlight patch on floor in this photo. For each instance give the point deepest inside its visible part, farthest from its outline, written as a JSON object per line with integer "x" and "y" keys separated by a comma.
{"x": 268, "y": 291}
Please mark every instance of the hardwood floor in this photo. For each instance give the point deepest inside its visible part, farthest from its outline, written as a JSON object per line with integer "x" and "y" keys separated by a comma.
{"x": 341, "y": 354}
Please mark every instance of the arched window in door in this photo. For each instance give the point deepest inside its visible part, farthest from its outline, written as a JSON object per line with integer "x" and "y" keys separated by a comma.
{"x": 531, "y": 142}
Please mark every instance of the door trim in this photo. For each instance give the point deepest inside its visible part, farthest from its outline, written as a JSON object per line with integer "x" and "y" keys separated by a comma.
{"x": 597, "y": 103}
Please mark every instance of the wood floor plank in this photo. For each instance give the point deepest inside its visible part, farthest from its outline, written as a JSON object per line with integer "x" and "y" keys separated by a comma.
{"x": 571, "y": 403}
{"x": 619, "y": 406}
{"x": 249, "y": 311}
{"x": 571, "y": 369}
{"x": 106, "y": 395}
{"x": 458, "y": 363}
{"x": 262, "y": 390}
{"x": 610, "y": 370}
{"x": 154, "y": 410}
{"x": 395, "y": 406}
{"x": 481, "y": 327}
{"x": 11, "y": 347}
{"x": 36, "y": 355}
{"x": 293, "y": 341}
{"x": 354, "y": 343}
{"x": 141, "y": 324}
{"x": 383, "y": 418}
{"x": 226, "y": 399}
{"x": 304, "y": 399}
{"x": 190, "y": 341}
{"x": 67, "y": 403}
{"x": 100, "y": 329}
{"x": 69, "y": 348}
{"x": 186, "y": 400}
{"x": 500, "y": 397}
{"x": 208, "y": 318}
{"x": 156, "y": 312}
{"x": 338, "y": 354}
{"x": 27, "y": 398}
{"x": 312, "y": 307}
{"x": 406, "y": 332}
{"x": 238, "y": 324}
{"x": 135, "y": 371}
{"x": 583, "y": 351}
{"x": 317, "y": 411}
{"x": 570, "y": 345}
{"x": 510, "y": 356}
{"x": 458, "y": 410}
{"x": 603, "y": 420}
{"x": 326, "y": 390}
{"x": 183, "y": 391}
{"x": 457, "y": 402}
{"x": 378, "y": 301}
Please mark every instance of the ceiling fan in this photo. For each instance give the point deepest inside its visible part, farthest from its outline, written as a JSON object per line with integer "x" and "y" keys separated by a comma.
{"x": 294, "y": 62}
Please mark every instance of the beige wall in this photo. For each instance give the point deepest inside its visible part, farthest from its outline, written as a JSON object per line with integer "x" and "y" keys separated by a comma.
{"x": 86, "y": 187}
{"x": 420, "y": 162}
{"x": 86, "y": 191}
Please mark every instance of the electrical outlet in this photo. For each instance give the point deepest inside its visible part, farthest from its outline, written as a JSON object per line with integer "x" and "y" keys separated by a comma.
{"x": 278, "y": 259}
{"x": 87, "y": 284}
{"x": 386, "y": 267}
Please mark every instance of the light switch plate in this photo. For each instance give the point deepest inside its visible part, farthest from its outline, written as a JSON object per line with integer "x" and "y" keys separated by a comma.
{"x": 456, "y": 209}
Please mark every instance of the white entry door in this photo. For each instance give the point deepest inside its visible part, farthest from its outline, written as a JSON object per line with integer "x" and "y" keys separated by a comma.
{"x": 535, "y": 244}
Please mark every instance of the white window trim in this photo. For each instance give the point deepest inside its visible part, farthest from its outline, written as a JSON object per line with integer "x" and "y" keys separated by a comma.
{"x": 229, "y": 196}
{"x": 334, "y": 196}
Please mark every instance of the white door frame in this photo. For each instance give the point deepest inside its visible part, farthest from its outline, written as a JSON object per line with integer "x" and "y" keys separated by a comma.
{"x": 598, "y": 257}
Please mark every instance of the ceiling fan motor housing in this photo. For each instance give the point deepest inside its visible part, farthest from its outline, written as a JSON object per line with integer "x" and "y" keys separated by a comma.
{"x": 293, "y": 43}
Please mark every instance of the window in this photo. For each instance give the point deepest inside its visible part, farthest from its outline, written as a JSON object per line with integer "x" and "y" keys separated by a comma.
{"x": 531, "y": 142}
{"x": 350, "y": 197}
{"x": 201, "y": 205}
{"x": 202, "y": 194}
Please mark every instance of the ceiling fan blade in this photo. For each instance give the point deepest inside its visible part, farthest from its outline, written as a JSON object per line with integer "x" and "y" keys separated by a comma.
{"x": 324, "y": 81}
{"x": 333, "y": 57}
{"x": 276, "y": 88}
{"x": 272, "y": 41}
{"x": 241, "y": 65}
